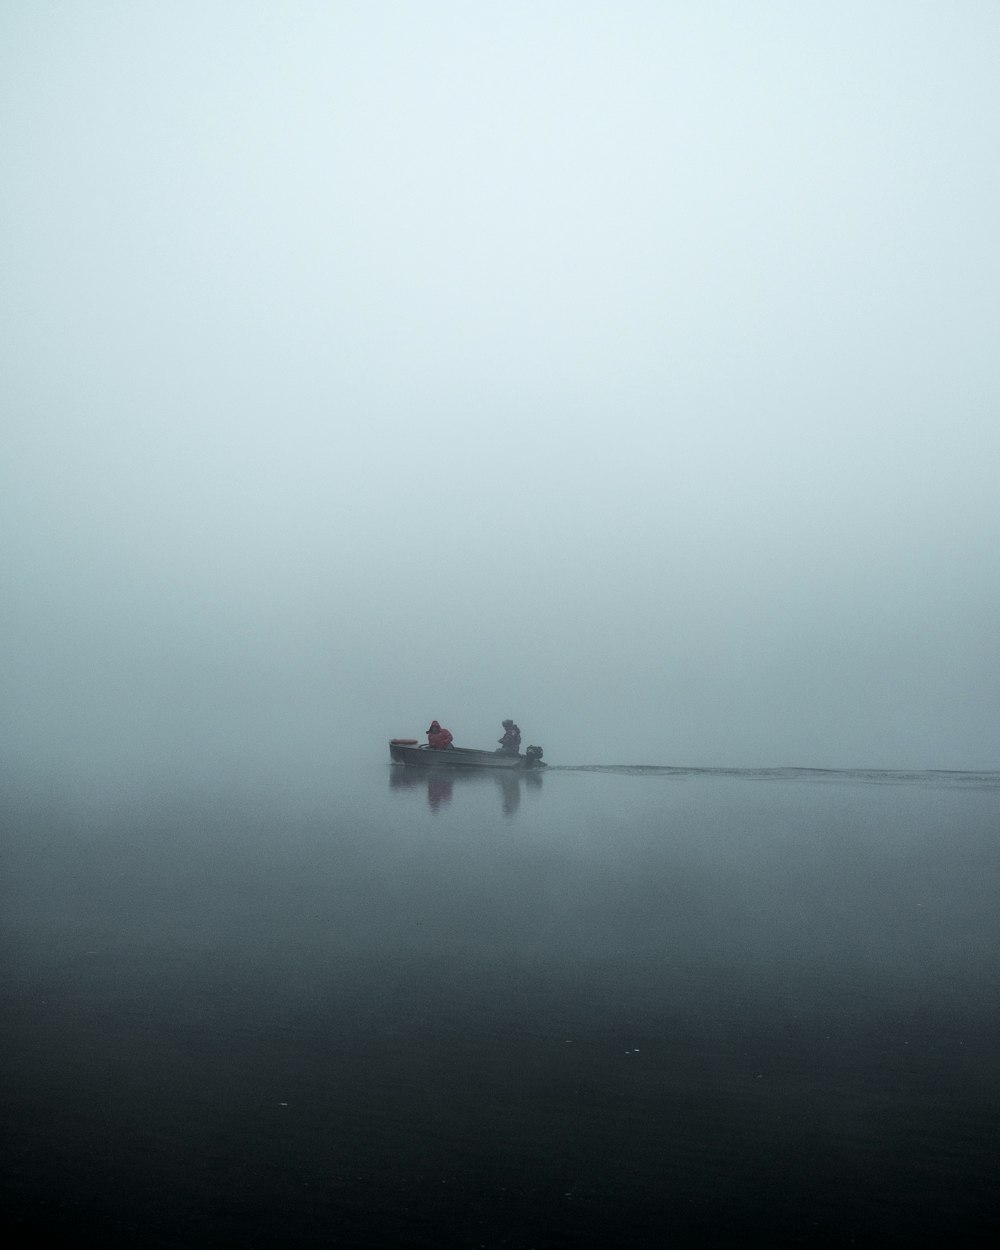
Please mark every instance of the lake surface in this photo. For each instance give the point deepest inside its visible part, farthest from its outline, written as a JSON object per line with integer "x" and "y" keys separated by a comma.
{"x": 593, "y": 1008}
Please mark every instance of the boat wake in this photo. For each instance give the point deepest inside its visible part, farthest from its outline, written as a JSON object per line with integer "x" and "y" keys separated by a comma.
{"x": 873, "y": 776}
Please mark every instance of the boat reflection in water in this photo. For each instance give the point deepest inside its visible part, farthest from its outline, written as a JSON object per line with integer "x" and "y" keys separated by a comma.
{"x": 440, "y": 785}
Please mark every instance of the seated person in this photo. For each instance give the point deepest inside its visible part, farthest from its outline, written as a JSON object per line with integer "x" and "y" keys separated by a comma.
{"x": 510, "y": 743}
{"x": 437, "y": 738}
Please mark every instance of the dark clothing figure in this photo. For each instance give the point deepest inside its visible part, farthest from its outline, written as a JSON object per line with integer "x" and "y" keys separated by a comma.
{"x": 438, "y": 738}
{"x": 510, "y": 743}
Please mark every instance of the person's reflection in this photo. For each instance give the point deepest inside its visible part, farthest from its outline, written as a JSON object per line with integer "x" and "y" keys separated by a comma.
{"x": 510, "y": 789}
{"x": 438, "y": 791}
{"x": 437, "y": 785}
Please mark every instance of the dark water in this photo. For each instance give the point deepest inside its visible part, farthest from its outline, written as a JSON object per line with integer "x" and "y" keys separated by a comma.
{"x": 596, "y": 1008}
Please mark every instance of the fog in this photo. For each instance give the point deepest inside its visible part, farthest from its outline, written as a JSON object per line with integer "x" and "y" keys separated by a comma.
{"x": 626, "y": 369}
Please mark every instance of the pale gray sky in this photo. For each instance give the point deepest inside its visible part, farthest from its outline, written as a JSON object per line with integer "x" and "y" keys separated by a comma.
{"x": 629, "y": 368}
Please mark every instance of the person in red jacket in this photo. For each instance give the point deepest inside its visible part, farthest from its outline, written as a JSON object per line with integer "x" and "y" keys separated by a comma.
{"x": 438, "y": 738}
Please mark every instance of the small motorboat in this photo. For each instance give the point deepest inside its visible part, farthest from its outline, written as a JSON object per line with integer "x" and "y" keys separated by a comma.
{"x": 410, "y": 751}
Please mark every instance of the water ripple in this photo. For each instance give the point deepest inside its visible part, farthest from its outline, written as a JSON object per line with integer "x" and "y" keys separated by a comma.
{"x": 874, "y": 776}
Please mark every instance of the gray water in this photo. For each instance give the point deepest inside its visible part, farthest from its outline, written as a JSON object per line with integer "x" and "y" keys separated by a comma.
{"x": 631, "y": 1007}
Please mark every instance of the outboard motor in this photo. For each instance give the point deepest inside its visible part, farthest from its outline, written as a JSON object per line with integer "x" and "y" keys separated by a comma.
{"x": 533, "y": 758}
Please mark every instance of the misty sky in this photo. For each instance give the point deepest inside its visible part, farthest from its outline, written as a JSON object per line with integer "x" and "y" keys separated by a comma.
{"x": 627, "y": 368}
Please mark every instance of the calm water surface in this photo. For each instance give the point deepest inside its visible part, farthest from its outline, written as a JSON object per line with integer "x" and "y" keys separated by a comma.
{"x": 595, "y": 1008}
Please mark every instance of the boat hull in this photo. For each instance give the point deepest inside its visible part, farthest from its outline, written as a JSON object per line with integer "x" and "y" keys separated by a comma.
{"x": 456, "y": 758}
